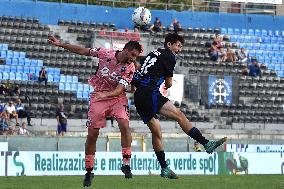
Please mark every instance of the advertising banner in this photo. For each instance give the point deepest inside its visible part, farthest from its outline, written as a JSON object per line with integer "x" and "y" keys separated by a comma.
{"x": 262, "y": 148}
{"x": 142, "y": 163}
{"x": 3, "y": 146}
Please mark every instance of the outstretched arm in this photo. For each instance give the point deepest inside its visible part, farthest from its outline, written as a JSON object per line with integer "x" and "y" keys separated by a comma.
{"x": 73, "y": 48}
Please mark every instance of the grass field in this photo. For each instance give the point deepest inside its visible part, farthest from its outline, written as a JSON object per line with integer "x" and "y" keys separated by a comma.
{"x": 147, "y": 182}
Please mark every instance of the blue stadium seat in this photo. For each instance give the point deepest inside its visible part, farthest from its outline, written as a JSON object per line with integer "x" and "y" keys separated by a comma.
{"x": 241, "y": 38}
{"x": 50, "y": 71}
{"x": 274, "y": 39}
{"x": 251, "y": 53}
{"x": 280, "y": 40}
{"x": 281, "y": 47}
{"x": 3, "y": 54}
{"x": 243, "y": 45}
{"x": 79, "y": 94}
{"x": 2, "y": 68}
{"x": 237, "y": 31}
{"x": 74, "y": 86}
{"x": 247, "y": 39}
{"x": 62, "y": 78}
{"x": 32, "y": 69}
{"x": 16, "y": 54}
{"x": 15, "y": 61}
{"x": 233, "y": 38}
{"x": 86, "y": 87}
{"x": 244, "y": 31}
{"x": 275, "y": 47}
{"x": 61, "y": 86}
{"x": 251, "y": 32}
{"x": 37, "y": 69}
{"x": 9, "y": 61}
{"x": 27, "y": 62}
{"x": 270, "y": 33}
{"x": 74, "y": 79}
{"x": 80, "y": 87}
{"x": 268, "y": 47}
{"x": 22, "y": 55}
{"x": 57, "y": 71}
{"x": 33, "y": 62}
{"x": 7, "y": 68}
{"x": 67, "y": 86}
{"x": 255, "y": 46}
{"x": 249, "y": 46}
{"x": 0, "y": 75}
{"x": 18, "y": 76}
{"x": 13, "y": 68}
{"x": 230, "y": 31}
{"x": 56, "y": 78}
{"x": 85, "y": 94}
{"x": 12, "y": 76}
{"x": 258, "y": 53}
{"x": 5, "y": 75}
{"x": 277, "y": 67}
{"x": 39, "y": 63}
{"x": 267, "y": 60}
{"x": 4, "y": 47}
{"x": 276, "y": 33}
{"x": 69, "y": 79}
{"x": 49, "y": 78}
{"x": 267, "y": 39}
{"x": 262, "y": 47}
{"x": 271, "y": 66}
{"x": 253, "y": 39}
{"x": 20, "y": 69}
{"x": 280, "y": 60}
{"x": 9, "y": 54}
{"x": 26, "y": 69}
{"x": 269, "y": 53}
{"x": 223, "y": 31}
{"x": 91, "y": 89}
{"x": 274, "y": 59}
{"x": 25, "y": 77}
{"x": 257, "y": 32}
{"x": 265, "y": 53}
{"x": 263, "y": 32}
{"x": 277, "y": 53}
{"x": 21, "y": 61}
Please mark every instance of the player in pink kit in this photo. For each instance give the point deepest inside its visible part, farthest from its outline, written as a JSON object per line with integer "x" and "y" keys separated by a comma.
{"x": 110, "y": 83}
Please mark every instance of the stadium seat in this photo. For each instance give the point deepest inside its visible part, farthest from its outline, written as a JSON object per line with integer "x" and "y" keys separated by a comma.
{"x": 74, "y": 86}
{"x": 56, "y": 78}
{"x": 250, "y": 32}
{"x": 20, "y": 69}
{"x": 62, "y": 78}
{"x": 223, "y": 31}
{"x": 50, "y": 78}
{"x": 244, "y": 31}
{"x": 61, "y": 86}
{"x": 230, "y": 31}
{"x": 257, "y": 32}
{"x": 237, "y": 31}
{"x": 27, "y": 62}
{"x": 12, "y": 76}
{"x": 5, "y": 75}
{"x": 79, "y": 94}
{"x": 69, "y": 79}
{"x": 263, "y": 32}
{"x": 270, "y": 33}
{"x": 21, "y": 61}
{"x": 25, "y": 77}
{"x": 7, "y": 68}
{"x": 74, "y": 79}
{"x": 18, "y": 76}
{"x": 32, "y": 70}
{"x": 275, "y": 47}
{"x": 67, "y": 86}
{"x": 85, "y": 94}
{"x": 80, "y": 87}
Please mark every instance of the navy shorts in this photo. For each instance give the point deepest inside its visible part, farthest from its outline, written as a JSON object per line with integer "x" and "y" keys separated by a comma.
{"x": 61, "y": 128}
{"x": 148, "y": 101}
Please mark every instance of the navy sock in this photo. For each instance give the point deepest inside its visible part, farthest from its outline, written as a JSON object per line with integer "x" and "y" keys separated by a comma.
{"x": 196, "y": 135}
{"x": 161, "y": 158}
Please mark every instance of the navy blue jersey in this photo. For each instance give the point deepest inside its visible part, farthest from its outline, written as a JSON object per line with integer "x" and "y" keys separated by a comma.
{"x": 155, "y": 67}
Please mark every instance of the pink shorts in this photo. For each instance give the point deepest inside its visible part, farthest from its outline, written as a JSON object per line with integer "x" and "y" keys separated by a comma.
{"x": 99, "y": 110}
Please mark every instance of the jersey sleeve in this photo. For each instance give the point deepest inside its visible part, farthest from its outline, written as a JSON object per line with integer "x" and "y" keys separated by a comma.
{"x": 98, "y": 52}
{"x": 127, "y": 75}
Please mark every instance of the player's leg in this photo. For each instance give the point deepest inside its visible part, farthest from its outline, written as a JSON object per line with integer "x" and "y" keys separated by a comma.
{"x": 121, "y": 113}
{"x": 96, "y": 120}
{"x": 155, "y": 128}
{"x": 90, "y": 150}
{"x": 126, "y": 140}
{"x": 170, "y": 111}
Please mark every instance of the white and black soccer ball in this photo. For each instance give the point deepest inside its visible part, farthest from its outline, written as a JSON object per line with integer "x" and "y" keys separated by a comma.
{"x": 141, "y": 16}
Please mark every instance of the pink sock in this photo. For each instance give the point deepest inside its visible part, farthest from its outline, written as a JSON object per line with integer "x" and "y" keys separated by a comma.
{"x": 126, "y": 155}
{"x": 89, "y": 162}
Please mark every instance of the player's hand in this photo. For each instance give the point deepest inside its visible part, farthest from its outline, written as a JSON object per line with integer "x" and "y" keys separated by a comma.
{"x": 98, "y": 95}
{"x": 53, "y": 41}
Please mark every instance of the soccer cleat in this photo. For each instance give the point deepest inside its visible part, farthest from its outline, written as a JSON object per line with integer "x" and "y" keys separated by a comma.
{"x": 127, "y": 171}
{"x": 168, "y": 173}
{"x": 88, "y": 179}
{"x": 212, "y": 145}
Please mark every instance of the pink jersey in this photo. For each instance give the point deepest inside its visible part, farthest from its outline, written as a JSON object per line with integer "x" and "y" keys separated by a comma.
{"x": 110, "y": 73}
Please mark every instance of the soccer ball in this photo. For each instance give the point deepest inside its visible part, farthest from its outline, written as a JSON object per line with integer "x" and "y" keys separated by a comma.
{"x": 141, "y": 16}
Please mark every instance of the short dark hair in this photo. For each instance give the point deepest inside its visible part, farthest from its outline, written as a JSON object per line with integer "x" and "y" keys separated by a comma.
{"x": 131, "y": 45}
{"x": 173, "y": 38}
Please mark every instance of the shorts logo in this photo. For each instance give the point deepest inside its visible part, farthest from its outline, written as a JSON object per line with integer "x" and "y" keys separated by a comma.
{"x": 88, "y": 123}
{"x": 123, "y": 69}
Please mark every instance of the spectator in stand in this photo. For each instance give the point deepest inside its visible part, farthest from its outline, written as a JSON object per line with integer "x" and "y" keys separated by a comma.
{"x": 176, "y": 26}
{"x": 23, "y": 111}
{"x": 11, "y": 112}
{"x": 214, "y": 51}
{"x": 16, "y": 90}
{"x": 61, "y": 120}
{"x": 230, "y": 56}
{"x": 23, "y": 130}
{"x": 2, "y": 89}
{"x": 242, "y": 55}
{"x": 42, "y": 75}
{"x": 218, "y": 39}
{"x": 254, "y": 69}
{"x": 9, "y": 88}
{"x": 156, "y": 26}
{"x": 3, "y": 117}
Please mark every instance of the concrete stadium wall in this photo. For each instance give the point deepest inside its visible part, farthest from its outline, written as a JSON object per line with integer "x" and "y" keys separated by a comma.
{"x": 49, "y": 13}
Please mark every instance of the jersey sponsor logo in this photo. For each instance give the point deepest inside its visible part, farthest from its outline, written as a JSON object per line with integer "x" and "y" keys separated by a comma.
{"x": 105, "y": 73}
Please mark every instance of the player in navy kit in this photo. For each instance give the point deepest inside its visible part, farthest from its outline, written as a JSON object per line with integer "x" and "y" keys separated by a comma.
{"x": 158, "y": 67}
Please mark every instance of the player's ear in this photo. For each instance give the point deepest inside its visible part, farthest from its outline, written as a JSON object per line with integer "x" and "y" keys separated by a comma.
{"x": 168, "y": 44}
